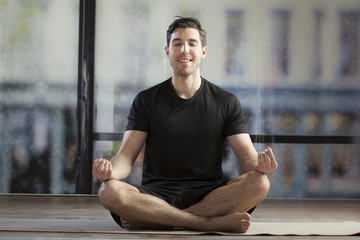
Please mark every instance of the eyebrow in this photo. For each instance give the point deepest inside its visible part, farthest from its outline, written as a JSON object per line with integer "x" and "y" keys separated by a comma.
{"x": 190, "y": 40}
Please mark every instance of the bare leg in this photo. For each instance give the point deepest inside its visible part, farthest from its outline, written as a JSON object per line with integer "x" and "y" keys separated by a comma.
{"x": 145, "y": 210}
{"x": 239, "y": 195}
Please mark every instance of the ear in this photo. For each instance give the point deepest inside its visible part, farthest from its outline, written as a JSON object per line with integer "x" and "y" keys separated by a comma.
{"x": 204, "y": 51}
{"x": 167, "y": 51}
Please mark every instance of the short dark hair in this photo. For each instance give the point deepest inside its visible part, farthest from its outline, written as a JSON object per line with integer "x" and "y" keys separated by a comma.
{"x": 182, "y": 22}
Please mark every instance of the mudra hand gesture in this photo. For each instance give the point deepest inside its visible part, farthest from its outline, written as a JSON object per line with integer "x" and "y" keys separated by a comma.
{"x": 266, "y": 161}
{"x": 102, "y": 169}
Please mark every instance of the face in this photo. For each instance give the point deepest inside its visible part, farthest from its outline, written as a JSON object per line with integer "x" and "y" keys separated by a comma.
{"x": 185, "y": 51}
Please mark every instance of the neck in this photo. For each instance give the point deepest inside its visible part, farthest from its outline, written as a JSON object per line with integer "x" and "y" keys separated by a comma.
{"x": 186, "y": 86}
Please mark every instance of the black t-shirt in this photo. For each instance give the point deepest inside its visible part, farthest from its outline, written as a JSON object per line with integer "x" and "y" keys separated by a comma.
{"x": 185, "y": 136}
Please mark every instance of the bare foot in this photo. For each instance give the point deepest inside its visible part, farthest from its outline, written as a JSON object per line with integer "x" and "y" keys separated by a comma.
{"x": 136, "y": 225}
{"x": 234, "y": 222}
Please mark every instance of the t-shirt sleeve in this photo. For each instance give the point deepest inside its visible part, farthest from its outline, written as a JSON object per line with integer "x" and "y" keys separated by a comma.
{"x": 235, "y": 121}
{"x": 138, "y": 118}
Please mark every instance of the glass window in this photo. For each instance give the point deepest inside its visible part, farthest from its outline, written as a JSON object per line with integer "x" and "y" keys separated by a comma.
{"x": 130, "y": 40}
{"x": 319, "y": 18}
{"x": 280, "y": 43}
{"x": 235, "y": 42}
{"x": 350, "y": 44}
{"x": 38, "y": 95}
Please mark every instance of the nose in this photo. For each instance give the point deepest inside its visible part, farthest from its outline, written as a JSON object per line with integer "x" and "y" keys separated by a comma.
{"x": 184, "y": 49}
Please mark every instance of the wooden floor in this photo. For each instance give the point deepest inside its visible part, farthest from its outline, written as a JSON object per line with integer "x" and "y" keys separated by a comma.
{"x": 75, "y": 207}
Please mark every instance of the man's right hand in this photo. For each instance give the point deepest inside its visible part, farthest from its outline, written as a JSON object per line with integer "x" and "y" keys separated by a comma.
{"x": 102, "y": 169}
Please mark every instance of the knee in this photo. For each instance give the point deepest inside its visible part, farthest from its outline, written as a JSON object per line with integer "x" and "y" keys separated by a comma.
{"x": 261, "y": 183}
{"x": 253, "y": 182}
{"x": 105, "y": 192}
{"x": 116, "y": 194}
{"x": 109, "y": 193}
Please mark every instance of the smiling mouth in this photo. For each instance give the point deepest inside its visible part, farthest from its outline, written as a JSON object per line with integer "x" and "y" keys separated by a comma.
{"x": 184, "y": 60}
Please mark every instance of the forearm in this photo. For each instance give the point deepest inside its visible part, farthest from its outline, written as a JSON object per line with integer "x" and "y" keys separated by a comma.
{"x": 250, "y": 163}
{"x": 129, "y": 150}
{"x": 249, "y": 158}
{"x": 121, "y": 167}
{"x": 244, "y": 151}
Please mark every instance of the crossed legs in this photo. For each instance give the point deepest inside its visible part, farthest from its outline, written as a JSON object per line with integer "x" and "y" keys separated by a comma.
{"x": 224, "y": 209}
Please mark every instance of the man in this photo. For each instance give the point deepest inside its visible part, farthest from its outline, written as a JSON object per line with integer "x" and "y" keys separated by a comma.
{"x": 184, "y": 122}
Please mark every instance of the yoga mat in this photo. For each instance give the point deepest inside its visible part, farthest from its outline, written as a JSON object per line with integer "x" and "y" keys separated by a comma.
{"x": 108, "y": 226}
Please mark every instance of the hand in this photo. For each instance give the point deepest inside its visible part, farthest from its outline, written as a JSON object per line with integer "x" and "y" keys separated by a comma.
{"x": 266, "y": 162}
{"x": 102, "y": 169}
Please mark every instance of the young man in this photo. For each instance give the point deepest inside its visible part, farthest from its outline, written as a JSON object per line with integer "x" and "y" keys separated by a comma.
{"x": 184, "y": 122}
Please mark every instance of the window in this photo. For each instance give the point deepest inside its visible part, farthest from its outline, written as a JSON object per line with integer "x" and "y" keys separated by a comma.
{"x": 318, "y": 26}
{"x": 38, "y": 95}
{"x": 350, "y": 44}
{"x": 235, "y": 43}
{"x": 310, "y": 121}
{"x": 280, "y": 60}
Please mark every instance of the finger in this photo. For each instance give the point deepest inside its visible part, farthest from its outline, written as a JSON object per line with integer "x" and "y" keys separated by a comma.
{"x": 109, "y": 173}
{"x": 274, "y": 164}
{"x": 99, "y": 168}
{"x": 267, "y": 160}
{"x": 102, "y": 164}
{"x": 264, "y": 161}
{"x": 99, "y": 162}
{"x": 95, "y": 167}
{"x": 95, "y": 163}
{"x": 103, "y": 169}
{"x": 106, "y": 169}
{"x": 259, "y": 167}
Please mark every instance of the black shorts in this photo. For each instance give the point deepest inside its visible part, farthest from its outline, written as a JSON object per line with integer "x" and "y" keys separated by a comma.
{"x": 180, "y": 195}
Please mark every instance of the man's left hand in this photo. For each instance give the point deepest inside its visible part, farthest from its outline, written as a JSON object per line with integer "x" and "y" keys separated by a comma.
{"x": 266, "y": 161}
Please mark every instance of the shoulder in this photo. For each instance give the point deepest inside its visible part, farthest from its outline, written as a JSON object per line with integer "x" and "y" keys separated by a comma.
{"x": 156, "y": 89}
{"x": 220, "y": 95}
{"x": 153, "y": 92}
{"x": 226, "y": 101}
